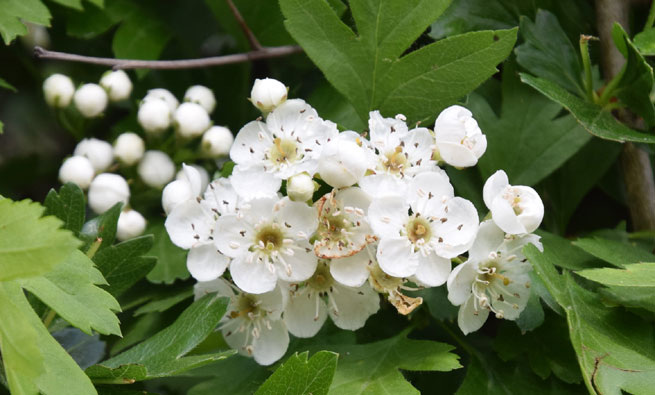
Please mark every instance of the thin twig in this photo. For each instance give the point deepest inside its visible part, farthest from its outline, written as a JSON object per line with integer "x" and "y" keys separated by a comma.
{"x": 117, "y": 64}
{"x": 252, "y": 40}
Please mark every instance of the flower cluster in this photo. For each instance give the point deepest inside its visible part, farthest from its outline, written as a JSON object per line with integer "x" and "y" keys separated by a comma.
{"x": 314, "y": 222}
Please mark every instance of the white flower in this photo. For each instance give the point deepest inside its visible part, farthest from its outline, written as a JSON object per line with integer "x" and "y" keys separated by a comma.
{"x": 300, "y": 188}
{"x": 191, "y": 120}
{"x": 156, "y": 169}
{"x": 267, "y": 94}
{"x": 78, "y": 170}
{"x": 344, "y": 160}
{"x": 58, "y": 90}
{"x": 204, "y": 175}
{"x": 130, "y": 225}
{"x": 343, "y": 228}
{"x": 90, "y": 100}
{"x": 154, "y": 115}
{"x": 217, "y": 141}
{"x": 201, "y": 95}
{"x": 187, "y": 187}
{"x": 99, "y": 152}
{"x": 440, "y": 227}
{"x": 289, "y": 143}
{"x": 495, "y": 278}
{"x": 311, "y": 302}
{"x": 458, "y": 137}
{"x": 165, "y": 95}
{"x": 129, "y": 148}
{"x": 515, "y": 209}
{"x": 353, "y": 271}
{"x": 117, "y": 84}
{"x": 392, "y": 287}
{"x": 106, "y": 190}
{"x": 267, "y": 239}
{"x": 252, "y": 324}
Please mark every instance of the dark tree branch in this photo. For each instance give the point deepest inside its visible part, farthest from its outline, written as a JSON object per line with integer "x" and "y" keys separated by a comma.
{"x": 117, "y": 64}
{"x": 252, "y": 40}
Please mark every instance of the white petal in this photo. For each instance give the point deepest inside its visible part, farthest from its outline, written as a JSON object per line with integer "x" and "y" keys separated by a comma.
{"x": 273, "y": 302}
{"x": 458, "y": 232}
{"x": 479, "y": 145}
{"x": 297, "y": 217}
{"x": 351, "y": 271}
{"x": 300, "y": 266}
{"x": 254, "y": 182}
{"x": 396, "y": 257}
{"x": 383, "y": 185}
{"x": 432, "y": 270}
{"x": 221, "y": 196}
{"x": 259, "y": 210}
{"x": 188, "y": 224}
{"x": 219, "y": 286}
{"x": 428, "y": 186}
{"x": 515, "y": 297}
{"x": 206, "y": 263}
{"x": 251, "y": 144}
{"x": 470, "y": 320}
{"x": 385, "y": 132}
{"x": 488, "y": 239}
{"x": 194, "y": 179}
{"x": 460, "y": 282}
{"x": 354, "y": 197}
{"x": 233, "y": 235}
{"x": 388, "y": 216}
{"x": 292, "y": 115}
{"x": 305, "y": 314}
{"x": 457, "y": 154}
{"x": 354, "y": 306}
{"x": 494, "y": 187}
{"x": 271, "y": 344}
{"x": 418, "y": 146}
{"x": 532, "y": 208}
{"x": 504, "y": 216}
{"x": 252, "y": 277}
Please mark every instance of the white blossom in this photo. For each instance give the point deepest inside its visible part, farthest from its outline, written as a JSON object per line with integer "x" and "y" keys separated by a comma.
{"x": 204, "y": 175}
{"x": 156, "y": 169}
{"x": 515, "y": 209}
{"x": 300, "y": 188}
{"x": 217, "y": 141}
{"x": 201, "y": 95}
{"x": 154, "y": 115}
{"x": 90, "y": 100}
{"x": 165, "y": 95}
{"x": 99, "y": 152}
{"x": 106, "y": 190}
{"x": 345, "y": 160}
{"x": 130, "y": 225}
{"x": 393, "y": 287}
{"x": 458, "y": 137}
{"x": 129, "y": 148}
{"x": 267, "y": 94}
{"x": 187, "y": 187}
{"x": 495, "y": 278}
{"x": 117, "y": 84}
{"x": 191, "y": 120}
{"x": 58, "y": 90}
{"x": 78, "y": 170}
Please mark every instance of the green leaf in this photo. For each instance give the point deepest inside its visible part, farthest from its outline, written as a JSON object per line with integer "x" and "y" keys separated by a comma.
{"x": 123, "y": 265}
{"x": 635, "y": 78}
{"x": 237, "y": 375}
{"x": 614, "y": 252}
{"x": 37, "y": 363}
{"x": 567, "y": 254}
{"x": 94, "y": 20}
{"x": 645, "y": 42}
{"x": 616, "y": 350}
{"x": 165, "y": 302}
{"x": 554, "y": 59}
{"x": 101, "y": 227}
{"x": 86, "y": 350}
{"x": 533, "y": 315}
{"x": 298, "y": 376}
{"x": 171, "y": 259}
{"x": 637, "y": 275}
{"x": 70, "y": 289}
{"x": 68, "y": 205}
{"x": 593, "y": 118}
{"x": 15, "y": 12}
{"x": 30, "y": 245}
{"x": 5, "y": 85}
{"x": 74, "y": 4}
{"x": 529, "y": 140}
{"x": 437, "y": 300}
{"x": 165, "y": 354}
{"x": 368, "y": 69}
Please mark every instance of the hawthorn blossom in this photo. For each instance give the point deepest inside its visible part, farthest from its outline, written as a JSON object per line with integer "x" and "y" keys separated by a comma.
{"x": 458, "y": 137}
{"x": 345, "y": 159}
{"x": 515, "y": 209}
{"x": 495, "y": 278}
{"x": 252, "y": 324}
{"x": 185, "y": 188}
{"x": 393, "y": 287}
{"x": 267, "y": 239}
{"x": 312, "y": 301}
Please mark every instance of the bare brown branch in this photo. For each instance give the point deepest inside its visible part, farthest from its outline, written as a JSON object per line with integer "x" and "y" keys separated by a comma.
{"x": 252, "y": 40}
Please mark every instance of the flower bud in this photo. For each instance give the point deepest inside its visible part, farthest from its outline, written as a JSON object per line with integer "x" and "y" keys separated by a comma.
{"x": 129, "y": 148}
{"x": 117, "y": 84}
{"x": 154, "y": 116}
{"x": 90, "y": 100}
{"x": 458, "y": 137}
{"x": 130, "y": 224}
{"x": 267, "y": 94}
{"x": 165, "y": 95}
{"x": 201, "y": 95}
{"x": 99, "y": 152}
{"x": 300, "y": 188}
{"x": 185, "y": 174}
{"x": 78, "y": 170}
{"x": 174, "y": 193}
{"x": 217, "y": 141}
{"x": 191, "y": 120}
{"x": 156, "y": 169}
{"x": 343, "y": 162}
{"x": 106, "y": 190}
{"x": 58, "y": 90}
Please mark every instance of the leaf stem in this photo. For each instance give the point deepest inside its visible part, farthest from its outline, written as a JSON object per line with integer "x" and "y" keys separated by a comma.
{"x": 94, "y": 248}
{"x": 49, "y": 317}
{"x": 651, "y": 16}
{"x": 586, "y": 62}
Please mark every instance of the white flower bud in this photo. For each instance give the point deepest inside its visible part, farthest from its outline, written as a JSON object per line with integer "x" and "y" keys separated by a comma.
{"x": 156, "y": 169}
{"x": 267, "y": 94}
{"x": 117, "y": 84}
{"x": 174, "y": 193}
{"x": 129, "y": 148}
{"x": 201, "y": 95}
{"x": 217, "y": 141}
{"x": 78, "y": 170}
{"x": 183, "y": 174}
{"x": 58, "y": 90}
{"x": 458, "y": 137}
{"x": 106, "y": 190}
{"x": 130, "y": 224}
{"x": 154, "y": 116}
{"x": 191, "y": 120}
{"x": 90, "y": 100}
{"x": 343, "y": 162}
{"x": 300, "y": 188}
{"x": 165, "y": 95}
{"x": 99, "y": 152}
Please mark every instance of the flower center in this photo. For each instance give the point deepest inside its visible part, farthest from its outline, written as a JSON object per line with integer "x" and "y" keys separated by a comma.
{"x": 418, "y": 229}
{"x": 396, "y": 160}
{"x": 514, "y": 198}
{"x": 283, "y": 151}
{"x": 247, "y": 307}
{"x": 269, "y": 237}
{"x": 382, "y": 282}
{"x": 322, "y": 280}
